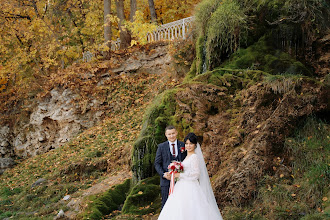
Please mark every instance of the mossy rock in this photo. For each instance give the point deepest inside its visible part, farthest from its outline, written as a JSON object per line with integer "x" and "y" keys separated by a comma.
{"x": 159, "y": 115}
{"x": 231, "y": 80}
{"x": 327, "y": 80}
{"x": 263, "y": 56}
{"x": 107, "y": 202}
{"x": 144, "y": 152}
{"x": 200, "y": 56}
{"x": 144, "y": 198}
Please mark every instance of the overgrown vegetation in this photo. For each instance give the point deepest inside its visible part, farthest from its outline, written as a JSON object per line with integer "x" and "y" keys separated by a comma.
{"x": 105, "y": 203}
{"x": 157, "y": 117}
{"x": 226, "y": 25}
{"x": 240, "y": 44}
{"x": 297, "y": 187}
{"x": 263, "y": 56}
{"x": 144, "y": 198}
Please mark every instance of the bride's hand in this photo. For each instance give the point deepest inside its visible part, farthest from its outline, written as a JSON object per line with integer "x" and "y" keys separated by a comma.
{"x": 167, "y": 176}
{"x": 177, "y": 175}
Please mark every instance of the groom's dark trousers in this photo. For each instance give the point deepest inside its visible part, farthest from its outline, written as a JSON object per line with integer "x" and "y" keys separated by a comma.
{"x": 162, "y": 160}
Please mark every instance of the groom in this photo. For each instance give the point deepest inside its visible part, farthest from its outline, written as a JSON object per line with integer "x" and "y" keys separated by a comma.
{"x": 168, "y": 151}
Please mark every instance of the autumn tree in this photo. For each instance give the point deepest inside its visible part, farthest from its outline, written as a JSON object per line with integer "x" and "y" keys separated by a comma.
{"x": 125, "y": 38}
{"x": 107, "y": 26}
{"x": 133, "y": 9}
{"x": 39, "y": 36}
{"x": 152, "y": 11}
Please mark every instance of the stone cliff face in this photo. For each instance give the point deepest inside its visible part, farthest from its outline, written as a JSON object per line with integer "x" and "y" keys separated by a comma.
{"x": 53, "y": 122}
{"x": 56, "y": 118}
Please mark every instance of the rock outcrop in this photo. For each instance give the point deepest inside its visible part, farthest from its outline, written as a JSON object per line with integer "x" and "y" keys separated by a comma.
{"x": 53, "y": 122}
{"x": 6, "y": 163}
{"x": 56, "y": 118}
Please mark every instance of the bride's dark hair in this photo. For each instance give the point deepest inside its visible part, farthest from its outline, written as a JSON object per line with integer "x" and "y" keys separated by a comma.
{"x": 191, "y": 137}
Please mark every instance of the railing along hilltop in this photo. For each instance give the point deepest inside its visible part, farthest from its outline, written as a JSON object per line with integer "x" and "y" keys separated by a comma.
{"x": 170, "y": 31}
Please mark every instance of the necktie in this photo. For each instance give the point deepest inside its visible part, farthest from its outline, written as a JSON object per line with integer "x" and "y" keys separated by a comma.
{"x": 173, "y": 145}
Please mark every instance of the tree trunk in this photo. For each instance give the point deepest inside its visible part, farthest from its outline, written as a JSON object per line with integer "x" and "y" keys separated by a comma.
{"x": 125, "y": 37}
{"x": 152, "y": 11}
{"x": 107, "y": 26}
{"x": 133, "y": 10}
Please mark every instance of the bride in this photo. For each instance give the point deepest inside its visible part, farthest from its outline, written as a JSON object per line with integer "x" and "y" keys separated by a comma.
{"x": 192, "y": 197}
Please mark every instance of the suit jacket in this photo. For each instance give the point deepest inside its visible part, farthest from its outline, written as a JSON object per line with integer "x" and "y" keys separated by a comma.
{"x": 164, "y": 158}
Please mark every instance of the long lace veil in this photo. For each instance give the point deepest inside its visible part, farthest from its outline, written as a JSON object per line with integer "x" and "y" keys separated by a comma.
{"x": 204, "y": 181}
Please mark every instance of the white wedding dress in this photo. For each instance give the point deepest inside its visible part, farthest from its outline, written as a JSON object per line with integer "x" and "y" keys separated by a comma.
{"x": 189, "y": 200}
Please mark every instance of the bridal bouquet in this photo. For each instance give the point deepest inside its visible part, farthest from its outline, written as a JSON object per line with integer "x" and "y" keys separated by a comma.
{"x": 174, "y": 167}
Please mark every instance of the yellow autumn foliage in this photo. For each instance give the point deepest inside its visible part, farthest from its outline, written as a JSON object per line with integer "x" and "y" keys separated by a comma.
{"x": 40, "y": 36}
{"x": 139, "y": 28}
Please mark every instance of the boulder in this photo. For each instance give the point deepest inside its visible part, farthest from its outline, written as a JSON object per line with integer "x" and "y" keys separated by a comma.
{"x": 38, "y": 182}
{"x": 6, "y": 163}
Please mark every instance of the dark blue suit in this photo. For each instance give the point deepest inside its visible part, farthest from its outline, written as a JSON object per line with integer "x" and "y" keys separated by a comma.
{"x": 162, "y": 160}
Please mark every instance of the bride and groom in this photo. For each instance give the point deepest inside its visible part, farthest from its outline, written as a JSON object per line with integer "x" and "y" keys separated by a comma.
{"x": 192, "y": 197}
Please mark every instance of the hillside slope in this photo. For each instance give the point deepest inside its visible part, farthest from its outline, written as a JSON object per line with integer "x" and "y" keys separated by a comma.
{"x": 98, "y": 157}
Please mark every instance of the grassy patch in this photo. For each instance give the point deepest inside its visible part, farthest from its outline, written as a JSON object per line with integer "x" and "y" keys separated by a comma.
{"x": 300, "y": 189}
{"x": 144, "y": 197}
{"x": 105, "y": 203}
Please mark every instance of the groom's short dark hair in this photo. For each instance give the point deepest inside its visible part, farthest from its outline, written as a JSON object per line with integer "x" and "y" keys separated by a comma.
{"x": 169, "y": 127}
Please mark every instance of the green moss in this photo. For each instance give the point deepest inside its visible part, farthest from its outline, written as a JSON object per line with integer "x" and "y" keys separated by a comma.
{"x": 192, "y": 73}
{"x": 222, "y": 26}
{"x": 232, "y": 80}
{"x": 107, "y": 202}
{"x": 144, "y": 197}
{"x": 327, "y": 80}
{"x": 200, "y": 55}
{"x": 101, "y": 206}
{"x": 263, "y": 56}
{"x": 315, "y": 216}
{"x": 95, "y": 214}
{"x": 226, "y": 29}
{"x": 157, "y": 117}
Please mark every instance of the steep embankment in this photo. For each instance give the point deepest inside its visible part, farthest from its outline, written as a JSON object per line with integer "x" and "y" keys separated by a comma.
{"x": 245, "y": 117}
{"x": 252, "y": 125}
{"x": 74, "y": 99}
{"x": 96, "y": 158}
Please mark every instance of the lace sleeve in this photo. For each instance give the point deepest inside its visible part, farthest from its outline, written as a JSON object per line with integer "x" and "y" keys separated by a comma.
{"x": 194, "y": 172}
